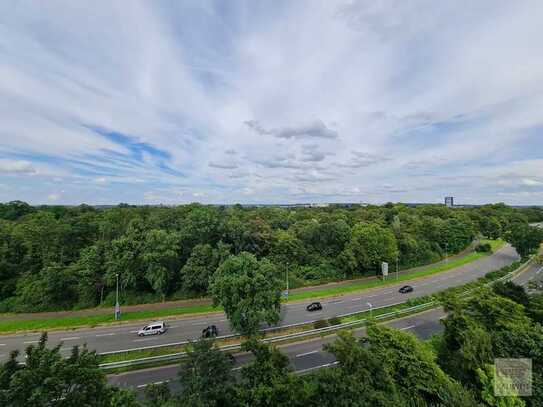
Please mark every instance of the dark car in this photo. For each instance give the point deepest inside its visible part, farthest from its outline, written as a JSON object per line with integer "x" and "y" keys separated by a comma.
{"x": 314, "y": 306}
{"x": 210, "y": 332}
{"x": 406, "y": 289}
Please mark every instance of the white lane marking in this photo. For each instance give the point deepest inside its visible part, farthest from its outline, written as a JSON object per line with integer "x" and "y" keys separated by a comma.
{"x": 374, "y": 295}
{"x": 199, "y": 323}
{"x": 145, "y": 339}
{"x": 317, "y": 367}
{"x": 407, "y": 327}
{"x": 223, "y": 320}
{"x": 307, "y": 353}
{"x": 352, "y": 306}
{"x": 147, "y": 384}
{"x": 70, "y": 338}
{"x": 336, "y": 302}
{"x": 2, "y": 344}
{"x": 133, "y": 332}
{"x": 27, "y": 342}
{"x": 539, "y": 271}
{"x": 237, "y": 368}
{"x": 356, "y": 299}
{"x": 100, "y": 335}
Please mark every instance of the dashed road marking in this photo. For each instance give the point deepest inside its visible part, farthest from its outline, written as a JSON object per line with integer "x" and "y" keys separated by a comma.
{"x": 70, "y": 338}
{"x": 2, "y": 344}
{"x": 356, "y": 299}
{"x": 147, "y": 384}
{"x": 307, "y": 353}
{"x": 100, "y": 335}
{"x": 144, "y": 339}
{"x": 200, "y": 323}
{"x": 28, "y": 342}
{"x": 407, "y": 327}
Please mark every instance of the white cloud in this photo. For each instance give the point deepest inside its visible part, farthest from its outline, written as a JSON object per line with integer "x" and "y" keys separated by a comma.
{"x": 388, "y": 93}
{"x": 16, "y": 167}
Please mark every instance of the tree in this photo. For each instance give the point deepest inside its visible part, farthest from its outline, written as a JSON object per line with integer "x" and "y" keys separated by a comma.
{"x": 360, "y": 379}
{"x": 524, "y": 238}
{"x": 199, "y": 268}
{"x": 267, "y": 380}
{"x": 49, "y": 379}
{"x": 205, "y": 376}
{"x": 372, "y": 244}
{"x": 160, "y": 258}
{"x": 512, "y": 291}
{"x": 248, "y": 290}
{"x": 414, "y": 370}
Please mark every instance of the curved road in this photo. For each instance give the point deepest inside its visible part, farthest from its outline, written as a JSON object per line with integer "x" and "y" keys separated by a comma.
{"x": 309, "y": 355}
{"x": 123, "y": 337}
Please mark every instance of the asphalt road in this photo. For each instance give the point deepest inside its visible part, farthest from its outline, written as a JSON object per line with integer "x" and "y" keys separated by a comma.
{"x": 123, "y": 337}
{"x": 308, "y": 355}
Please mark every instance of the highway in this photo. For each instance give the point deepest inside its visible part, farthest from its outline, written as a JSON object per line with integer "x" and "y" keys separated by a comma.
{"x": 123, "y": 337}
{"x": 308, "y": 355}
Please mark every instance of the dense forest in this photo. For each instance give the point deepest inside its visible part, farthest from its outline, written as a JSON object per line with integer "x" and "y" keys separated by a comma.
{"x": 388, "y": 368}
{"x": 56, "y": 257}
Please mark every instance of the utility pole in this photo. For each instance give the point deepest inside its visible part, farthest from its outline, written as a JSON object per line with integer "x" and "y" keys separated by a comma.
{"x": 446, "y": 252}
{"x": 117, "y": 306}
{"x": 397, "y": 266}
{"x": 286, "y": 292}
{"x": 371, "y": 309}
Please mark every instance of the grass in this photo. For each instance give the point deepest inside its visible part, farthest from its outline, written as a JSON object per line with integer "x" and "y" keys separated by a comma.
{"x": 7, "y": 326}
{"x": 333, "y": 291}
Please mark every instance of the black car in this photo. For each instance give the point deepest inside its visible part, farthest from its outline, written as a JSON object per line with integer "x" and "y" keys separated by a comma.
{"x": 210, "y": 332}
{"x": 314, "y": 306}
{"x": 406, "y": 289}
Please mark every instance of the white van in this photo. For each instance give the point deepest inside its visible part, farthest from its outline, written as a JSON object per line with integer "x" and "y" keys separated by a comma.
{"x": 154, "y": 328}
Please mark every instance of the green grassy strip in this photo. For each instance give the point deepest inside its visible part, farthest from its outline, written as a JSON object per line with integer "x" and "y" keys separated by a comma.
{"x": 332, "y": 291}
{"x": 94, "y": 320}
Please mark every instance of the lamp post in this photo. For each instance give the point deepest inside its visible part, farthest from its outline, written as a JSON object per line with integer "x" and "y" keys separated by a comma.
{"x": 371, "y": 309}
{"x": 117, "y": 306}
{"x": 397, "y": 266}
{"x": 446, "y": 252}
{"x": 286, "y": 293}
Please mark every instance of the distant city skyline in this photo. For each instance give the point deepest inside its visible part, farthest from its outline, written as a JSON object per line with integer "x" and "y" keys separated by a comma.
{"x": 271, "y": 102}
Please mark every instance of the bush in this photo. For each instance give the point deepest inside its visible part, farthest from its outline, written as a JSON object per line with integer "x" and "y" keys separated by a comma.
{"x": 483, "y": 248}
{"x": 321, "y": 323}
{"x": 334, "y": 321}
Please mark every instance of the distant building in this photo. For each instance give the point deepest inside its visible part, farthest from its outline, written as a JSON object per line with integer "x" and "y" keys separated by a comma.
{"x": 449, "y": 201}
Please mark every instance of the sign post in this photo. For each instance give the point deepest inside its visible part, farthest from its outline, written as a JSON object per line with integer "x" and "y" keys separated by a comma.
{"x": 384, "y": 269}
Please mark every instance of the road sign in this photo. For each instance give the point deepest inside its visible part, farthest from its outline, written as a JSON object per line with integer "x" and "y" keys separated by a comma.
{"x": 384, "y": 269}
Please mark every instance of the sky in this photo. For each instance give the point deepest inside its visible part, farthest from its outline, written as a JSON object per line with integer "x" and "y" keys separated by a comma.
{"x": 271, "y": 101}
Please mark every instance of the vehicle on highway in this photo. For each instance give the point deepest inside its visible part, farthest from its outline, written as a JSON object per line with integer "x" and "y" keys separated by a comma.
{"x": 154, "y": 328}
{"x": 210, "y": 332}
{"x": 314, "y": 306}
{"x": 405, "y": 289}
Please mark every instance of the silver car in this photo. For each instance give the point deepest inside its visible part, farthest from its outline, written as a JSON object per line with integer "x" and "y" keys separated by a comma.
{"x": 154, "y": 328}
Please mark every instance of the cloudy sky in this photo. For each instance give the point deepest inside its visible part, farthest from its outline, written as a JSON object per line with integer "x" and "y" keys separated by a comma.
{"x": 271, "y": 101}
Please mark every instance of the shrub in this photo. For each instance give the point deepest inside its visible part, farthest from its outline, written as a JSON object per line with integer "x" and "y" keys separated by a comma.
{"x": 334, "y": 321}
{"x": 483, "y": 248}
{"x": 321, "y": 323}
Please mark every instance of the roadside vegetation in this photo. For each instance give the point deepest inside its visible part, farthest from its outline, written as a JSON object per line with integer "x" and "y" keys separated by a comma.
{"x": 64, "y": 258}
{"x": 386, "y": 368}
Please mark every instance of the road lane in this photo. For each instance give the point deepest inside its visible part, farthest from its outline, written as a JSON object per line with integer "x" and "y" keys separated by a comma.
{"x": 308, "y": 355}
{"x": 123, "y": 337}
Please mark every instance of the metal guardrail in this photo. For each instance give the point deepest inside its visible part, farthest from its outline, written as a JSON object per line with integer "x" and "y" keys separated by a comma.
{"x": 311, "y": 332}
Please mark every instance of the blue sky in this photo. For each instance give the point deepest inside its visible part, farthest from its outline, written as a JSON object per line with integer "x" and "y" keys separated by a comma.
{"x": 266, "y": 102}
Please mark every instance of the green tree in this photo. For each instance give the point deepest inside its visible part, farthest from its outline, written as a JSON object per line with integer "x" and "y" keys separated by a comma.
{"x": 360, "y": 378}
{"x": 524, "y": 238}
{"x": 48, "y": 379}
{"x": 249, "y": 291}
{"x": 372, "y": 244}
{"x": 160, "y": 258}
{"x": 267, "y": 380}
{"x": 201, "y": 266}
{"x": 205, "y": 376}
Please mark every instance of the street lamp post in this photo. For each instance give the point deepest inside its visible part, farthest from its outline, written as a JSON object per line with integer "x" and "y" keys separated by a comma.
{"x": 117, "y": 306}
{"x": 397, "y": 266}
{"x": 446, "y": 252}
{"x": 287, "y": 283}
{"x": 371, "y": 309}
